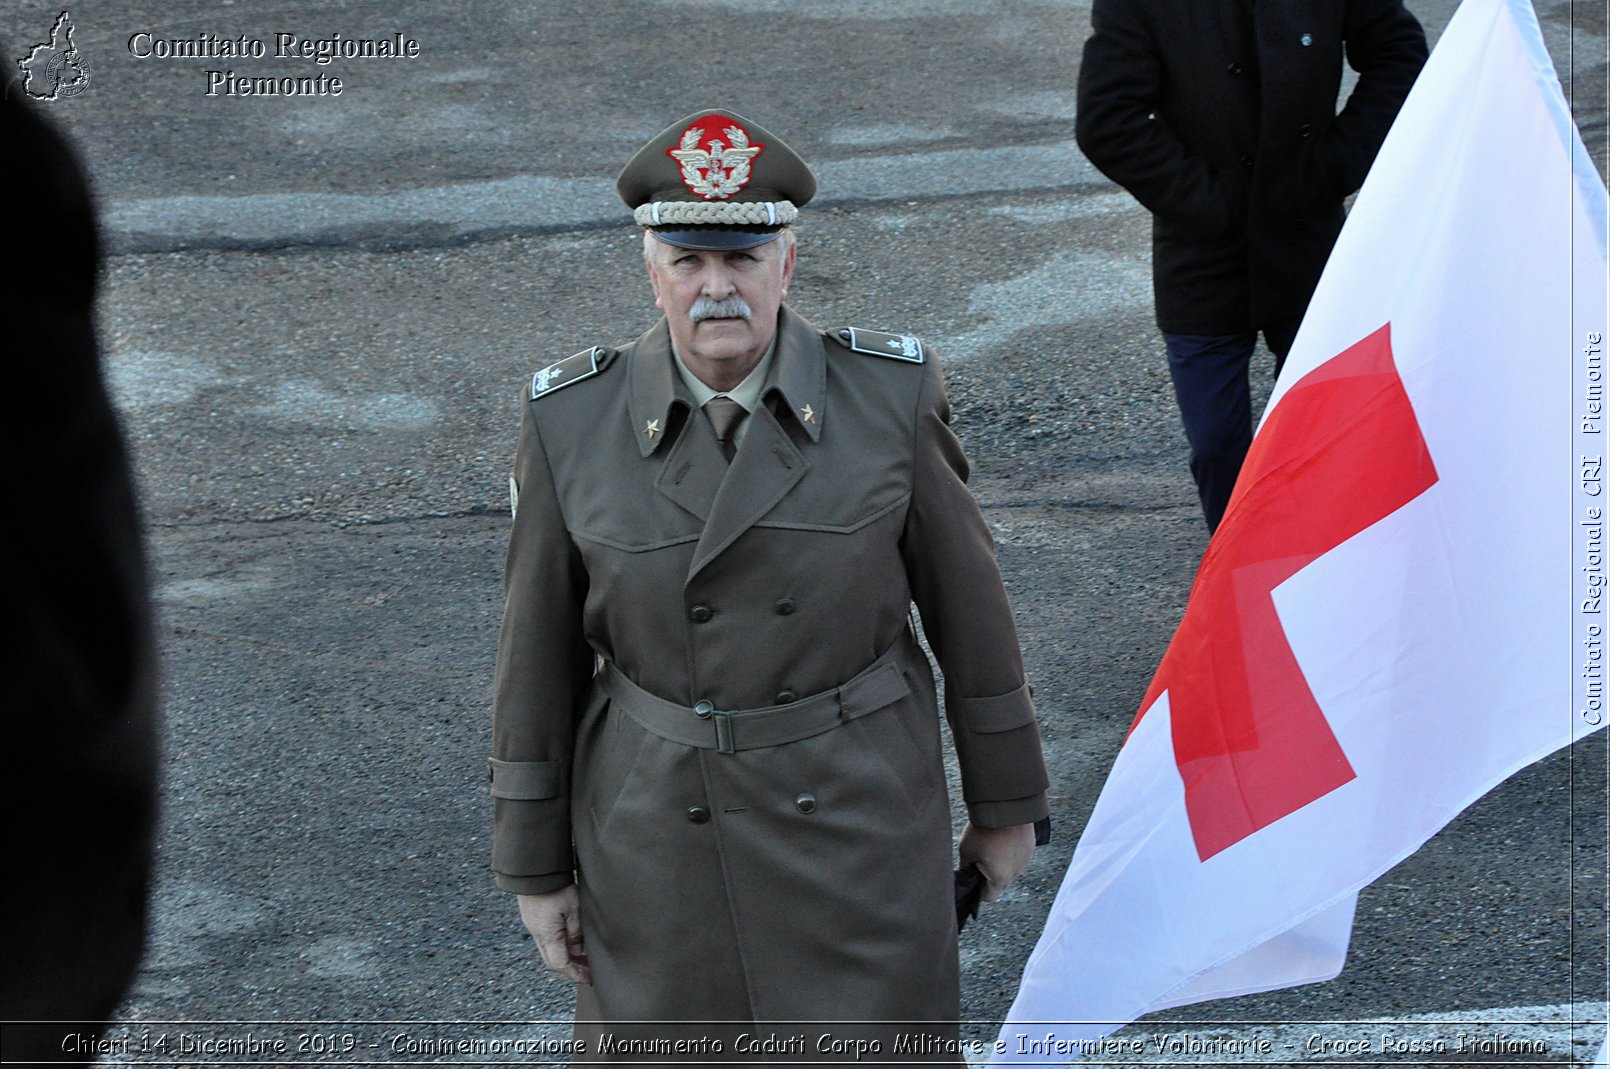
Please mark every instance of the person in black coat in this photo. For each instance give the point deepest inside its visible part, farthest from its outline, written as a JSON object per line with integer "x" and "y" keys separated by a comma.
{"x": 1219, "y": 116}
{"x": 79, "y": 687}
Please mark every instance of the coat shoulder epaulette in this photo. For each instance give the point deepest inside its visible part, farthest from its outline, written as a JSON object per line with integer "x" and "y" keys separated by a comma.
{"x": 879, "y": 343}
{"x": 572, "y": 369}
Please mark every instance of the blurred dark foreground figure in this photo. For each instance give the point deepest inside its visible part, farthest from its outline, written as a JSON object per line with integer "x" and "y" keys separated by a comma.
{"x": 79, "y": 682}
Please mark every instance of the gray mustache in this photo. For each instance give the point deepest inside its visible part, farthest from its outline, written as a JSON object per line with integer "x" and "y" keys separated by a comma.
{"x": 733, "y": 307}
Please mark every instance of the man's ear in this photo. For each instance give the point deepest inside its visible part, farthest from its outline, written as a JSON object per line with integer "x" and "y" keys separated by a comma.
{"x": 653, "y": 282}
{"x": 788, "y": 266}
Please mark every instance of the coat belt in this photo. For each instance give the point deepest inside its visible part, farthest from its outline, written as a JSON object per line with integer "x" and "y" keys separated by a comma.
{"x": 702, "y": 725}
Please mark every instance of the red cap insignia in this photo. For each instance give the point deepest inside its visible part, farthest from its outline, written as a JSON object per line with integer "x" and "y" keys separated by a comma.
{"x": 715, "y": 166}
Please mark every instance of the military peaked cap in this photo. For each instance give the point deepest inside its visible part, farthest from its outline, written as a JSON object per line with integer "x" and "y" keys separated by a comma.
{"x": 715, "y": 180}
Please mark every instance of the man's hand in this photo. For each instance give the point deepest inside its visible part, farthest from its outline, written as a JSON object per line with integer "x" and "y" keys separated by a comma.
{"x": 554, "y": 921}
{"x": 1001, "y": 854}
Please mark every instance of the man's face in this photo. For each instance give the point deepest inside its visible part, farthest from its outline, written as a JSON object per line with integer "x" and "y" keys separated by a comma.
{"x": 721, "y": 305}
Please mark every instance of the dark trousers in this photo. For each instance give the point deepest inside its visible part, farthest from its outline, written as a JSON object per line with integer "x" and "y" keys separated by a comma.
{"x": 1210, "y": 384}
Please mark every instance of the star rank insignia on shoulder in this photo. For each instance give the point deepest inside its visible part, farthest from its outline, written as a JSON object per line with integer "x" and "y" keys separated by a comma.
{"x": 558, "y": 375}
{"x": 877, "y": 343}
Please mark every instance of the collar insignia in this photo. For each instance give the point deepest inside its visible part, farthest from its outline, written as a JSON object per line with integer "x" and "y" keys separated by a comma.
{"x": 652, "y": 428}
{"x": 807, "y": 415}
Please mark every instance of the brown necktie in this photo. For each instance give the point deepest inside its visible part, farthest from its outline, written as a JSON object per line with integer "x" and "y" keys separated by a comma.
{"x": 725, "y": 415}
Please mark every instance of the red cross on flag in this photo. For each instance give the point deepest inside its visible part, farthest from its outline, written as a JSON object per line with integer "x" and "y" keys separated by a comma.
{"x": 1406, "y": 600}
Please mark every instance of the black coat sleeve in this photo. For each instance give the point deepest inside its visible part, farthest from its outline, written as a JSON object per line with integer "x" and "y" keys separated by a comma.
{"x": 1387, "y": 47}
{"x": 1121, "y": 82}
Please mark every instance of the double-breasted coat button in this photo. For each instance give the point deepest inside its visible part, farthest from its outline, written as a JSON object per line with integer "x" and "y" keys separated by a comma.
{"x": 805, "y": 803}
{"x": 1304, "y": 130}
{"x": 785, "y": 607}
{"x": 785, "y": 696}
{"x": 699, "y": 814}
{"x": 700, "y": 614}
{"x": 1246, "y": 161}
{"x": 702, "y": 710}
{"x": 1234, "y": 67}
{"x": 1306, "y": 39}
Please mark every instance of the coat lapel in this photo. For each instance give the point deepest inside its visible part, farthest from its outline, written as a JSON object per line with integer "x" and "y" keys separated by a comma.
{"x": 664, "y": 421}
{"x": 694, "y": 468}
{"x": 768, "y": 463}
{"x": 800, "y": 374}
{"x": 766, "y": 467}
{"x": 728, "y": 499}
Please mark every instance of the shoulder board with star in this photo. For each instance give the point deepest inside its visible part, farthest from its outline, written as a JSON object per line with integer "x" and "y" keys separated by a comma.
{"x": 574, "y": 368}
{"x": 878, "y": 343}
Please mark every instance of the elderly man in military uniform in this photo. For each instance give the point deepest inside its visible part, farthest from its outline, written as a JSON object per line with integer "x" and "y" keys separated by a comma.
{"x": 716, "y": 758}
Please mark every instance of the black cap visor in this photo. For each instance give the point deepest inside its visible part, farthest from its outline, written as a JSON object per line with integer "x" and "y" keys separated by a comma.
{"x": 716, "y": 238}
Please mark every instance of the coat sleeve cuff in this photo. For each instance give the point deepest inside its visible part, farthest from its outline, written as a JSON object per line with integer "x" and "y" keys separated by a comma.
{"x": 530, "y": 836}
{"x": 986, "y": 716}
{"x": 1010, "y": 813}
{"x": 534, "y": 885}
{"x": 525, "y": 780}
{"x": 998, "y": 749}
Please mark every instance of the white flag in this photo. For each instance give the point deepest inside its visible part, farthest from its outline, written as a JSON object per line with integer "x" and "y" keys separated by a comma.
{"x": 1406, "y": 600}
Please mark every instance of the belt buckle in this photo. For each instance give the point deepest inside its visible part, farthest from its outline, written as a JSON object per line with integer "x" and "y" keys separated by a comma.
{"x": 725, "y": 743}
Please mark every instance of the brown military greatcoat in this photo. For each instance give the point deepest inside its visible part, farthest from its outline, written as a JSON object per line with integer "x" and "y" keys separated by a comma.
{"x": 710, "y": 706}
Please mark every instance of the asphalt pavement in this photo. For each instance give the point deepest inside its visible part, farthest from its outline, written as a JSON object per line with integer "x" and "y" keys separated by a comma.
{"x": 318, "y": 313}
